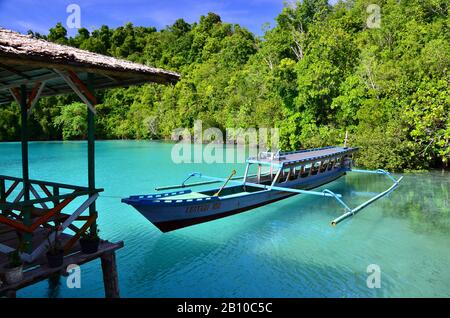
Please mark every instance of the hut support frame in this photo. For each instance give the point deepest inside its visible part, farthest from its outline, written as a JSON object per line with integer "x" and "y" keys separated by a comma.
{"x": 31, "y": 68}
{"x": 27, "y": 102}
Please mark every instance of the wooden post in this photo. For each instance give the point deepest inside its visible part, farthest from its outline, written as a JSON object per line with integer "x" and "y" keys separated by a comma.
{"x": 55, "y": 193}
{"x": 91, "y": 154}
{"x": 2, "y": 193}
{"x": 25, "y": 171}
{"x": 10, "y": 294}
{"x": 110, "y": 276}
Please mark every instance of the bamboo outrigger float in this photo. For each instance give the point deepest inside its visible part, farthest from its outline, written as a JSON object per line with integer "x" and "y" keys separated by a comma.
{"x": 290, "y": 173}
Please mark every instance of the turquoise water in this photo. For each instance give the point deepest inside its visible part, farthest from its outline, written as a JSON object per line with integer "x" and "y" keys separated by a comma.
{"x": 286, "y": 249}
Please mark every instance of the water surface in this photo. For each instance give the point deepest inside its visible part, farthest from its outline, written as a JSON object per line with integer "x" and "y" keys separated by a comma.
{"x": 286, "y": 249}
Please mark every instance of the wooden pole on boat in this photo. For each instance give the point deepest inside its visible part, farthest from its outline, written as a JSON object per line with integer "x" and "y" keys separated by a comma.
{"x": 223, "y": 186}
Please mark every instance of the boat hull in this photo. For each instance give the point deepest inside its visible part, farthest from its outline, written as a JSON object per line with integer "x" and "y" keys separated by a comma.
{"x": 170, "y": 214}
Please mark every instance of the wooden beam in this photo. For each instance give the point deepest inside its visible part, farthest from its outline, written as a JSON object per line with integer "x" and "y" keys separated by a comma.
{"x": 25, "y": 169}
{"x": 83, "y": 88}
{"x": 35, "y": 95}
{"x": 112, "y": 78}
{"x": 41, "y": 78}
{"x": 78, "y": 233}
{"x": 91, "y": 155}
{"x": 37, "y": 196}
{"x": 47, "y": 183}
{"x": 52, "y": 89}
{"x": 15, "y": 92}
{"x": 14, "y": 71}
{"x": 2, "y": 190}
{"x": 74, "y": 87}
{"x": 40, "y": 273}
{"x": 30, "y": 228}
{"x": 46, "y": 191}
{"x": 11, "y": 188}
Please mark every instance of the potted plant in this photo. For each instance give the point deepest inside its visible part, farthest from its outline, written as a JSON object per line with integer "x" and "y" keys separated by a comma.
{"x": 90, "y": 241}
{"x": 13, "y": 271}
{"x": 55, "y": 253}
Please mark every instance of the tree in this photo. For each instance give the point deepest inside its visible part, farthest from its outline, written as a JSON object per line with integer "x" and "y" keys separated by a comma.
{"x": 319, "y": 72}
{"x": 73, "y": 121}
{"x": 58, "y": 34}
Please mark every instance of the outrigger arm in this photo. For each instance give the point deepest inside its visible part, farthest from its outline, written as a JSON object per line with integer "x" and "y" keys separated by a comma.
{"x": 350, "y": 211}
{"x": 324, "y": 193}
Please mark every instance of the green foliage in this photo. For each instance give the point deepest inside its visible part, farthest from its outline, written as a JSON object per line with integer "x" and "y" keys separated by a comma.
{"x": 73, "y": 120}
{"x": 318, "y": 73}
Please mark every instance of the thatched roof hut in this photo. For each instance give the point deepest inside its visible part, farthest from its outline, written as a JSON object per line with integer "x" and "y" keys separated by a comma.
{"x": 27, "y": 60}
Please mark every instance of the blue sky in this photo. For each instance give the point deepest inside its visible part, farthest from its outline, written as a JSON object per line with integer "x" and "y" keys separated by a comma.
{"x": 40, "y": 15}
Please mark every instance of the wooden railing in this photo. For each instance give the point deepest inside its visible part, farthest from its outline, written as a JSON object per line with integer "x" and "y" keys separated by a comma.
{"x": 44, "y": 210}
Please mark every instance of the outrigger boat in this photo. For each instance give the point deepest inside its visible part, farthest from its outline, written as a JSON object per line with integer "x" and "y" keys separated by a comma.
{"x": 289, "y": 173}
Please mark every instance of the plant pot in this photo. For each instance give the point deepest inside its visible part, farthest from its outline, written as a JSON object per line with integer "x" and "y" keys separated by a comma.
{"x": 13, "y": 275}
{"x": 89, "y": 246}
{"x": 55, "y": 260}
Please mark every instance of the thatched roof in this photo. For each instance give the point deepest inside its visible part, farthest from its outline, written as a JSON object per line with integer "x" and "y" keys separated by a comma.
{"x": 25, "y": 60}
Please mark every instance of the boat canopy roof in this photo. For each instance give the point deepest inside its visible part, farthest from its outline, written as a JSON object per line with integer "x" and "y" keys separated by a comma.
{"x": 283, "y": 159}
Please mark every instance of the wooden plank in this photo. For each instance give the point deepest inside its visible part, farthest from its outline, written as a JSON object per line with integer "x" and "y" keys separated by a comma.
{"x": 40, "y": 250}
{"x": 78, "y": 233}
{"x": 89, "y": 94}
{"x": 37, "y": 196}
{"x": 31, "y": 227}
{"x": 35, "y": 95}
{"x": 15, "y": 71}
{"x": 11, "y": 188}
{"x": 47, "y": 183}
{"x": 40, "y": 273}
{"x": 91, "y": 147}
{"x": 76, "y": 90}
{"x": 41, "y": 78}
{"x": 45, "y": 189}
{"x": 2, "y": 190}
{"x": 22, "y": 204}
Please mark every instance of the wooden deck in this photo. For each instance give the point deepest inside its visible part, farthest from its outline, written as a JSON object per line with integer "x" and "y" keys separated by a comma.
{"x": 38, "y": 270}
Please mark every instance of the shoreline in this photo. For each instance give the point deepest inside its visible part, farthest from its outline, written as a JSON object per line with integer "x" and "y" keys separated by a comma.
{"x": 434, "y": 169}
